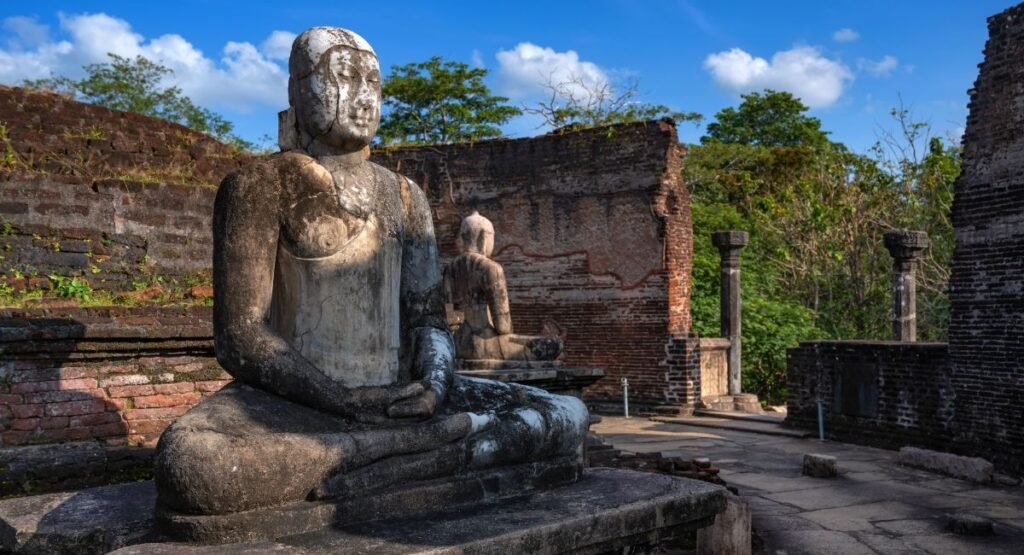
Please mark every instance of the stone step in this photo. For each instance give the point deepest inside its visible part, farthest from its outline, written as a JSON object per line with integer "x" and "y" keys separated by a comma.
{"x": 769, "y": 418}
{"x": 753, "y": 427}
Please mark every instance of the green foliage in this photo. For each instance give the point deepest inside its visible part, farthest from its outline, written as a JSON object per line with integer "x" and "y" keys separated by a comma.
{"x": 579, "y": 104}
{"x": 771, "y": 119}
{"x": 771, "y": 322}
{"x": 816, "y": 266}
{"x": 136, "y": 86}
{"x": 72, "y": 288}
{"x": 439, "y": 101}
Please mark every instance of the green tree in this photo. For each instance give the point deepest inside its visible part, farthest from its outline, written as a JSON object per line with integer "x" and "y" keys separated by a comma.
{"x": 135, "y": 85}
{"x": 816, "y": 212}
{"x": 769, "y": 119}
{"x": 436, "y": 102}
{"x": 580, "y": 104}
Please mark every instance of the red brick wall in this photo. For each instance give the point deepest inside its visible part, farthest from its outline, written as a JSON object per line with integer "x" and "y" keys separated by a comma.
{"x": 119, "y": 376}
{"x": 593, "y": 229}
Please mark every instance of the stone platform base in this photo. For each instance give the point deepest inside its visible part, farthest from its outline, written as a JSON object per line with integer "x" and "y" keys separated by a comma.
{"x": 547, "y": 375}
{"x": 607, "y": 510}
{"x": 746, "y": 403}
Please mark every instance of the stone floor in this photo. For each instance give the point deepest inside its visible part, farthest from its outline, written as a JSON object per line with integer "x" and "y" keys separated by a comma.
{"x": 874, "y": 506}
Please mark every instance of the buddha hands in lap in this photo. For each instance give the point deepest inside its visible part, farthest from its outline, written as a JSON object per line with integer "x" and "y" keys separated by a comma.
{"x": 329, "y": 314}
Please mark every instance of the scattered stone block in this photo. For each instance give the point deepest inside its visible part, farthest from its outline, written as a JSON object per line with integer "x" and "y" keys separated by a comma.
{"x": 974, "y": 469}
{"x": 820, "y": 466}
{"x": 730, "y": 533}
{"x": 969, "y": 525}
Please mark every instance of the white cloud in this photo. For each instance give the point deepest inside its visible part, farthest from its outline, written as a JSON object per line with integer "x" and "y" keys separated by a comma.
{"x": 278, "y": 46}
{"x": 845, "y": 35}
{"x": 525, "y": 70}
{"x": 879, "y": 68}
{"x": 803, "y": 71}
{"x": 28, "y": 33}
{"x": 243, "y": 77}
{"x": 476, "y": 59}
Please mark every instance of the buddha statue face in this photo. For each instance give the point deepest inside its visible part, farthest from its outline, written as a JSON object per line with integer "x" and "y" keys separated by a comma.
{"x": 334, "y": 88}
{"x": 477, "y": 235}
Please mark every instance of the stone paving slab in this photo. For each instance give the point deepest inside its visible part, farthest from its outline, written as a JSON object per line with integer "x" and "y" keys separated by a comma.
{"x": 874, "y": 506}
{"x": 863, "y": 517}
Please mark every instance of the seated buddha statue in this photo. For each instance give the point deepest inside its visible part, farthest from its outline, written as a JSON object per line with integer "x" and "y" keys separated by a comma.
{"x": 329, "y": 314}
{"x": 476, "y": 287}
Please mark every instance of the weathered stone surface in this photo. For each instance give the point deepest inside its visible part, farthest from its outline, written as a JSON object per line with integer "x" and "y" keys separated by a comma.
{"x": 730, "y": 534}
{"x": 90, "y": 521}
{"x": 966, "y": 524}
{"x": 606, "y": 511}
{"x": 975, "y": 469}
{"x": 729, "y": 244}
{"x": 244, "y": 449}
{"x": 905, "y": 247}
{"x": 820, "y": 466}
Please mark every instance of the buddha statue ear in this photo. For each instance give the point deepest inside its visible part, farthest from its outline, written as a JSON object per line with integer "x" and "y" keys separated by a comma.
{"x": 287, "y": 131}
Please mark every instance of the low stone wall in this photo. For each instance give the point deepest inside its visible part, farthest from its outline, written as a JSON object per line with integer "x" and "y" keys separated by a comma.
{"x": 115, "y": 376}
{"x": 882, "y": 393}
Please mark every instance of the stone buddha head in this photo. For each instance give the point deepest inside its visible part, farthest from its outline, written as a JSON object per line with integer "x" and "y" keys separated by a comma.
{"x": 334, "y": 92}
{"x": 477, "y": 235}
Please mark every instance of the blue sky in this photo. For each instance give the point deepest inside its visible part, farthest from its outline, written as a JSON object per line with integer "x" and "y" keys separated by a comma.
{"x": 852, "y": 61}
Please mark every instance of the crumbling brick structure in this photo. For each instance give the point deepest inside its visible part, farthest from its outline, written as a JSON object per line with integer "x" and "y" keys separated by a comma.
{"x": 110, "y": 196}
{"x": 986, "y": 329}
{"x": 968, "y": 396}
{"x": 593, "y": 230}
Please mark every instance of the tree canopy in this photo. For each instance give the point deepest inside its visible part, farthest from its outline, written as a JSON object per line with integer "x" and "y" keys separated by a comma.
{"x": 580, "y": 104}
{"x": 769, "y": 119}
{"x": 439, "y": 101}
{"x": 136, "y": 85}
{"x": 815, "y": 266}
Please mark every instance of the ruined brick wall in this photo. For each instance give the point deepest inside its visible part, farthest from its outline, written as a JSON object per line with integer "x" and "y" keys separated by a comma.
{"x": 986, "y": 328}
{"x": 112, "y": 233}
{"x": 47, "y": 134}
{"x": 113, "y": 375}
{"x": 593, "y": 230}
{"x": 106, "y": 195}
{"x": 881, "y": 393}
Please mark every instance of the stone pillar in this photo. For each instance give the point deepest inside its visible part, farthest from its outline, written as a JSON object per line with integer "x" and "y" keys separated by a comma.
{"x": 729, "y": 244}
{"x": 905, "y": 247}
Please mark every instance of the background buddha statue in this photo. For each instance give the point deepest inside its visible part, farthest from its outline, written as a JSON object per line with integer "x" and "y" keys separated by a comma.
{"x": 476, "y": 287}
{"x": 329, "y": 313}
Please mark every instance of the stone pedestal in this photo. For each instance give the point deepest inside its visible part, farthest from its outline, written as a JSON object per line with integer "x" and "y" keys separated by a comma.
{"x": 609, "y": 510}
{"x": 905, "y": 247}
{"x": 550, "y": 375}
